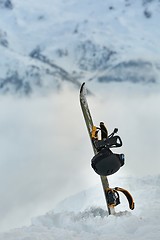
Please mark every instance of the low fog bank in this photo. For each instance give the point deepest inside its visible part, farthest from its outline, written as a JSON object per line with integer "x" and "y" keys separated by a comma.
{"x": 46, "y": 152}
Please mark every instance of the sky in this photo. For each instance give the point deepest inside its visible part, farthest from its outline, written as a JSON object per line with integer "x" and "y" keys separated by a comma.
{"x": 46, "y": 152}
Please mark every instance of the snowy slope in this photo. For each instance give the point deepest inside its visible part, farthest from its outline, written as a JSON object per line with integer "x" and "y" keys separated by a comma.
{"x": 90, "y": 221}
{"x": 46, "y": 42}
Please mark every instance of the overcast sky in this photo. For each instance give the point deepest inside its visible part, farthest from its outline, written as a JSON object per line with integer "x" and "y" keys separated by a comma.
{"x": 46, "y": 152}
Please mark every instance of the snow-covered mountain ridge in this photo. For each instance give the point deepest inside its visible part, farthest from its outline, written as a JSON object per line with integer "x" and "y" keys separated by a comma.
{"x": 46, "y": 42}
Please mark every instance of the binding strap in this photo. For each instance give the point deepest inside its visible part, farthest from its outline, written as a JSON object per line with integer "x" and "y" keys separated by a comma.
{"x": 128, "y": 196}
{"x": 94, "y": 133}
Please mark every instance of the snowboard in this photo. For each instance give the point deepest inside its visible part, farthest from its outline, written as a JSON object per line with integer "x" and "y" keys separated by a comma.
{"x": 111, "y": 194}
{"x": 90, "y": 125}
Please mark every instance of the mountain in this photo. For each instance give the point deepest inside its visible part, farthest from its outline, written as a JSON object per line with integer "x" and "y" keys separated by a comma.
{"x": 45, "y": 43}
{"x": 83, "y": 216}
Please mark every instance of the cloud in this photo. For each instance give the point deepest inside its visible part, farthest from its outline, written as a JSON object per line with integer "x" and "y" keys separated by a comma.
{"x": 46, "y": 152}
{"x": 41, "y": 154}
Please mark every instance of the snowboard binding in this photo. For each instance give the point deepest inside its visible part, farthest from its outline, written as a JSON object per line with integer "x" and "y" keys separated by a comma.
{"x": 105, "y": 162}
{"x": 113, "y": 198}
{"x": 106, "y": 141}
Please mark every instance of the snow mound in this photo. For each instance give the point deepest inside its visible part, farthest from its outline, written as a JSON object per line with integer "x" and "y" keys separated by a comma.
{"x": 91, "y": 224}
{"x": 94, "y": 222}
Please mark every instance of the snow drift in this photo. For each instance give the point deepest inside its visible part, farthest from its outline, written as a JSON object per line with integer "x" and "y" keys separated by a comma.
{"x": 83, "y": 216}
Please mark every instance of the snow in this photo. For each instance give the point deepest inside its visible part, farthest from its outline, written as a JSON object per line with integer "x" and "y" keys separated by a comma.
{"x": 84, "y": 216}
{"x": 61, "y": 29}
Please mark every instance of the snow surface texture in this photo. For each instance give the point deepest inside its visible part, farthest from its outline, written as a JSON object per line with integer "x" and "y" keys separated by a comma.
{"x": 46, "y": 42}
{"x": 84, "y": 216}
